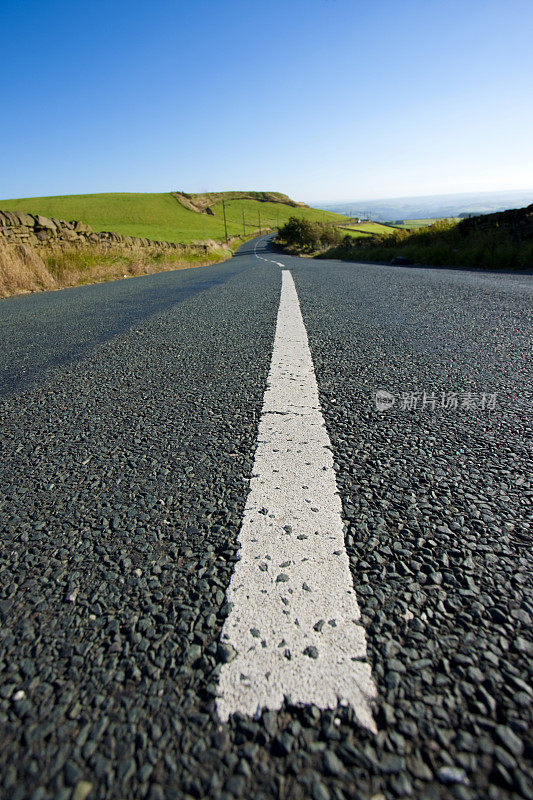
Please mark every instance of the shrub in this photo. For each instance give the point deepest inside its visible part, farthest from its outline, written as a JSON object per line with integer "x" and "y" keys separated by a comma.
{"x": 478, "y": 242}
{"x": 307, "y": 236}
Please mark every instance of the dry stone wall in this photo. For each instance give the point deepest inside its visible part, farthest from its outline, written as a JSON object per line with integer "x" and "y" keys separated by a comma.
{"x": 34, "y": 229}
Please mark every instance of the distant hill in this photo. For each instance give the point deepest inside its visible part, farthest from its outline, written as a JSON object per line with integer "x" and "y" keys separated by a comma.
{"x": 431, "y": 206}
{"x": 173, "y": 216}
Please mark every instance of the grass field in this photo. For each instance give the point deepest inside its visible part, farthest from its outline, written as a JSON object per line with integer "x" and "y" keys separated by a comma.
{"x": 161, "y": 217}
{"x": 367, "y": 229}
{"x": 414, "y": 224}
{"x": 272, "y": 214}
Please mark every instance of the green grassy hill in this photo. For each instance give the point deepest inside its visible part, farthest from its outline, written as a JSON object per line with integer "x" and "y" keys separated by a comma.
{"x": 172, "y": 217}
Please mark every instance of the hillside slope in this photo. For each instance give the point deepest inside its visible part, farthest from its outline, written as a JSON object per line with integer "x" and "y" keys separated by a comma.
{"x": 201, "y": 201}
{"x": 172, "y": 217}
{"x": 503, "y": 240}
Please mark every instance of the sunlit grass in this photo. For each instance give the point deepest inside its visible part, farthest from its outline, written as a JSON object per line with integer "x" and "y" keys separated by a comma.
{"x": 161, "y": 217}
{"x": 413, "y": 224}
{"x": 364, "y": 228}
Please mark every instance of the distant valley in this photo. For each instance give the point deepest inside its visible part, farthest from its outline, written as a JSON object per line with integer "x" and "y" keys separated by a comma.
{"x": 431, "y": 206}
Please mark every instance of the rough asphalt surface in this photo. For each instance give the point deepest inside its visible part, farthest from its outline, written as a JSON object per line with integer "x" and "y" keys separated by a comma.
{"x": 126, "y": 449}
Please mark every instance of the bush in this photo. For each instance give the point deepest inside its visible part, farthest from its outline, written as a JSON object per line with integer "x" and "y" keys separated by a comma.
{"x": 479, "y": 242}
{"x": 301, "y": 234}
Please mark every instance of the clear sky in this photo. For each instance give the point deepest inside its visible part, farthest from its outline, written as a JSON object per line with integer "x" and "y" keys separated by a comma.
{"x": 321, "y": 99}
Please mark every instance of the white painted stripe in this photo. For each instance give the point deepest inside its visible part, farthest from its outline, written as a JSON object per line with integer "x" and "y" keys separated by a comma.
{"x": 255, "y": 250}
{"x": 294, "y": 625}
{"x": 265, "y": 259}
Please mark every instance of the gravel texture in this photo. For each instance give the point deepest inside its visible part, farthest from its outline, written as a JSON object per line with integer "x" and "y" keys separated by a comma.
{"x": 437, "y": 505}
{"x": 124, "y": 474}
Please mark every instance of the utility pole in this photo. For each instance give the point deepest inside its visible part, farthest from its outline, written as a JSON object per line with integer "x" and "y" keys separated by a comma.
{"x": 225, "y": 223}
{"x": 259, "y": 215}
{"x": 243, "y": 223}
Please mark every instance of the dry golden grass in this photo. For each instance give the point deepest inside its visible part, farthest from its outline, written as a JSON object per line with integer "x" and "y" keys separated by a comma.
{"x": 23, "y": 270}
{"x": 33, "y": 269}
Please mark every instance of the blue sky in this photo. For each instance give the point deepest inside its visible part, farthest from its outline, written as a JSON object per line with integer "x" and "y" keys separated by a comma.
{"x": 322, "y": 99}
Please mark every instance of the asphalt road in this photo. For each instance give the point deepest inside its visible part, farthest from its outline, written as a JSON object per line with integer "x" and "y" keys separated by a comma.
{"x": 129, "y": 427}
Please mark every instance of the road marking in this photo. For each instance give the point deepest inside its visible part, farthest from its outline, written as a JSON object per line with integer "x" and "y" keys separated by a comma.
{"x": 294, "y": 628}
{"x": 255, "y": 250}
{"x": 265, "y": 259}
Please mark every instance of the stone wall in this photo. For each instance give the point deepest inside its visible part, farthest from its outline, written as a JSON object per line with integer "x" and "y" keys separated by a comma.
{"x": 35, "y": 229}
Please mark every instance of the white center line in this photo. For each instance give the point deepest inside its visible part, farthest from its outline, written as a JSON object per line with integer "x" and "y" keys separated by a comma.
{"x": 265, "y": 259}
{"x": 294, "y": 625}
{"x": 255, "y": 250}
